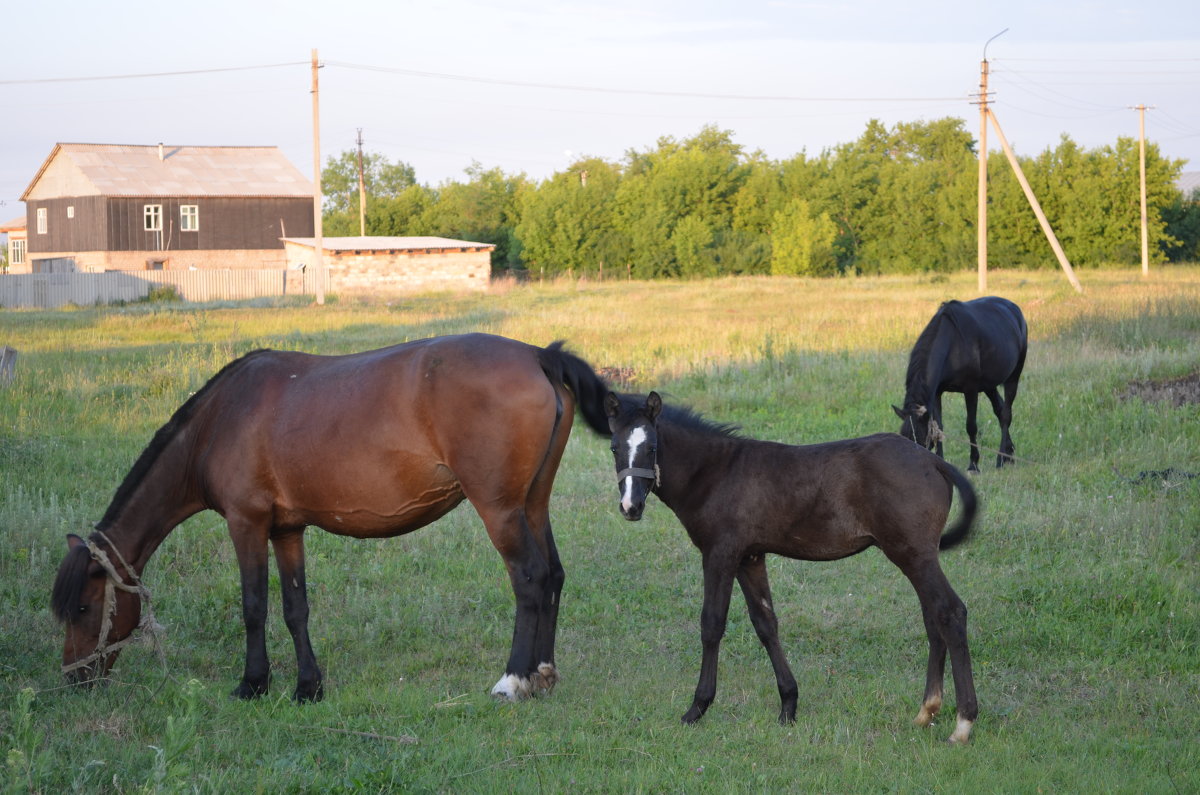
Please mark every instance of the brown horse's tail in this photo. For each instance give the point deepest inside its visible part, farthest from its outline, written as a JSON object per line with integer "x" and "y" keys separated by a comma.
{"x": 563, "y": 367}
{"x": 962, "y": 528}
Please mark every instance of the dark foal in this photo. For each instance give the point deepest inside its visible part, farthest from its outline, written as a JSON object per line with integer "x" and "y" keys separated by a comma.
{"x": 968, "y": 347}
{"x": 741, "y": 499}
{"x": 368, "y": 445}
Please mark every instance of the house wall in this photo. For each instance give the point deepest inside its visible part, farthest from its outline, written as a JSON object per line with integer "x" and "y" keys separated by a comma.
{"x": 97, "y": 261}
{"x": 402, "y": 271}
{"x": 237, "y": 226}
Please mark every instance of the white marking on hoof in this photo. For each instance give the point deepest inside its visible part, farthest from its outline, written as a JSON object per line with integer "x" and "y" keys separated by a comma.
{"x": 929, "y": 710}
{"x": 962, "y": 732}
{"x": 511, "y": 688}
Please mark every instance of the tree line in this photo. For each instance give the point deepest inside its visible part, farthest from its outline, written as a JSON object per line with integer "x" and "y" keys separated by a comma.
{"x": 898, "y": 200}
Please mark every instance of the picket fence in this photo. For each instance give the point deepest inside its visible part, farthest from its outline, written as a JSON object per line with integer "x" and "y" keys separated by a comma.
{"x": 50, "y": 290}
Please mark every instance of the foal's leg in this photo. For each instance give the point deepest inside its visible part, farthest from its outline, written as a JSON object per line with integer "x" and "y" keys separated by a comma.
{"x": 289, "y": 557}
{"x": 972, "y": 401}
{"x": 1003, "y": 410}
{"x": 752, "y": 575}
{"x": 250, "y": 542}
{"x": 947, "y": 615}
{"x": 718, "y": 587}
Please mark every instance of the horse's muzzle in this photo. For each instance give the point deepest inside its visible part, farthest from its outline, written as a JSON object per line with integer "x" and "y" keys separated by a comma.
{"x": 634, "y": 512}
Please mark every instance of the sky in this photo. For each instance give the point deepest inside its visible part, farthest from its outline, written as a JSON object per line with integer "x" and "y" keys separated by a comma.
{"x": 530, "y": 86}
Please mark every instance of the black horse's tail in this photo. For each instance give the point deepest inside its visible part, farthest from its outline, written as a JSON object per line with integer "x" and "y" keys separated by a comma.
{"x": 563, "y": 367}
{"x": 962, "y": 528}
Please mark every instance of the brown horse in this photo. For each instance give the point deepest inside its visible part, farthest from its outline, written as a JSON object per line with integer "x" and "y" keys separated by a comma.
{"x": 368, "y": 445}
{"x": 741, "y": 499}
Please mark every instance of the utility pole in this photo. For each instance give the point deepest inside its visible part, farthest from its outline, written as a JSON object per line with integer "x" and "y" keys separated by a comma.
{"x": 981, "y": 234}
{"x": 1141, "y": 109}
{"x": 362, "y": 191}
{"x": 318, "y": 235}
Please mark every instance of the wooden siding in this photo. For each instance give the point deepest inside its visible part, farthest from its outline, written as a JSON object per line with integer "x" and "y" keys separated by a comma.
{"x": 118, "y": 224}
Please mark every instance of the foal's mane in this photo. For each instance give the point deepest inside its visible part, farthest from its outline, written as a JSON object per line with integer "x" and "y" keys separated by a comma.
{"x": 684, "y": 417}
{"x": 919, "y": 358}
{"x": 163, "y": 437}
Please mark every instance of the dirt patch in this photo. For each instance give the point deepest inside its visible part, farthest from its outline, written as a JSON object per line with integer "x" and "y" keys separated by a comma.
{"x": 1176, "y": 391}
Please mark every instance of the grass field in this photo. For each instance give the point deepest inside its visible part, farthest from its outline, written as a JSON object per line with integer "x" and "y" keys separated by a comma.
{"x": 1081, "y": 579}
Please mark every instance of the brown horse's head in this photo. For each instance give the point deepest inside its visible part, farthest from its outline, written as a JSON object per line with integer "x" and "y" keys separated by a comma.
{"x": 98, "y": 610}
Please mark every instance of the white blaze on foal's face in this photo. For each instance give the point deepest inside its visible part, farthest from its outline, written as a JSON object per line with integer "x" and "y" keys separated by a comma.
{"x": 634, "y": 443}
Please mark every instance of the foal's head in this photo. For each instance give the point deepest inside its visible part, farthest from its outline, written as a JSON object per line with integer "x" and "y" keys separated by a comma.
{"x": 635, "y": 450}
{"x": 100, "y": 612}
{"x": 917, "y": 425}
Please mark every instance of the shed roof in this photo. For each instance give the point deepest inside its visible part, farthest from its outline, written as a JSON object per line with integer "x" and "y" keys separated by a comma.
{"x": 174, "y": 171}
{"x": 14, "y": 225}
{"x": 389, "y": 243}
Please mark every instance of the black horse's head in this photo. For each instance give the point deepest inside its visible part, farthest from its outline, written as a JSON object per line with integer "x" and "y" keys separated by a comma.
{"x": 635, "y": 450}
{"x": 917, "y": 424}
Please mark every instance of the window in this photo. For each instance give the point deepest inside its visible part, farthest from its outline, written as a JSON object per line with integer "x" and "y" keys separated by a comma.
{"x": 17, "y": 249}
{"x": 152, "y": 214}
{"x": 42, "y": 214}
{"x": 189, "y": 218}
{"x": 70, "y": 211}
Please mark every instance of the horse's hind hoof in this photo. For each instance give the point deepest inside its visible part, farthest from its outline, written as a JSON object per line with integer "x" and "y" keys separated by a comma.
{"x": 309, "y": 694}
{"x": 247, "y": 691}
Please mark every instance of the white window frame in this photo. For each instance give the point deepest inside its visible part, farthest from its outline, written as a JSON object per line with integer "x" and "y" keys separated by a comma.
{"x": 70, "y": 211}
{"x": 43, "y": 220}
{"x": 16, "y": 250}
{"x": 152, "y": 217}
{"x": 189, "y": 218}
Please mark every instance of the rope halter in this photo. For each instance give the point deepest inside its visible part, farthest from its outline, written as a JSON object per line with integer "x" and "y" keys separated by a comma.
{"x": 112, "y": 584}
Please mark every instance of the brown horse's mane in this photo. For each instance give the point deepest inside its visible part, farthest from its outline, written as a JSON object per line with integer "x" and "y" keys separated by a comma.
{"x": 68, "y": 584}
{"x": 162, "y": 438}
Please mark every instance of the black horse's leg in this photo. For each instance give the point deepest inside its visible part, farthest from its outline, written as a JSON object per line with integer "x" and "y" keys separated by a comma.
{"x": 529, "y": 573}
{"x": 1003, "y": 409}
{"x": 972, "y": 401}
{"x": 250, "y": 541}
{"x": 948, "y": 616}
{"x": 289, "y": 557}
{"x": 718, "y": 587}
{"x": 752, "y": 575}
{"x": 937, "y": 417}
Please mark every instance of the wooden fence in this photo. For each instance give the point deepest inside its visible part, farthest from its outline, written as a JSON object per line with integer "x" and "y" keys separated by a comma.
{"x": 50, "y": 290}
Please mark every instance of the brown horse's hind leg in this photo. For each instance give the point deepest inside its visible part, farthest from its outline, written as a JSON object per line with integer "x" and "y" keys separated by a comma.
{"x": 752, "y": 575}
{"x": 946, "y": 615}
{"x": 289, "y": 557}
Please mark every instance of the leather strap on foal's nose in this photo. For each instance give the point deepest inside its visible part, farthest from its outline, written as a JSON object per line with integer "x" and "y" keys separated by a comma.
{"x": 637, "y": 472}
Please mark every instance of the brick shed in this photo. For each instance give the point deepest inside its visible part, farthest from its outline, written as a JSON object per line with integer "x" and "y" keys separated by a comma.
{"x": 396, "y": 264}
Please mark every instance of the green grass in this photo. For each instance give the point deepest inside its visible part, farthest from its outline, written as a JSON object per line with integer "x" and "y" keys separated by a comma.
{"x": 1082, "y": 586}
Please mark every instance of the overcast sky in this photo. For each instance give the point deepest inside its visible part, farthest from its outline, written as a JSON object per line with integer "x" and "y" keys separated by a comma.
{"x": 529, "y": 85}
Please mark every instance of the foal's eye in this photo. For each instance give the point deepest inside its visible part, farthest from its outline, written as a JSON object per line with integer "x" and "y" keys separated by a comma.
{"x": 83, "y": 608}
{"x": 614, "y": 449}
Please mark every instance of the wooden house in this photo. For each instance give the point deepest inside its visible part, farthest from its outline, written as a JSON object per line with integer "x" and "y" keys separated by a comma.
{"x": 15, "y": 231}
{"x": 102, "y": 207}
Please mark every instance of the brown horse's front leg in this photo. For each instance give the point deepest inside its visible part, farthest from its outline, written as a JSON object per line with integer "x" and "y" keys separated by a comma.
{"x": 529, "y": 573}
{"x": 251, "y": 546}
{"x": 289, "y": 557}
{"x": 752, "y": 575}
{"x": 718, "y": 587}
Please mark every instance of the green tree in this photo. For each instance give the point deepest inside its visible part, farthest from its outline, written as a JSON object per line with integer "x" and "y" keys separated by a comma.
{"x": 485, "y": 210}
{"x": 381, "y": 179}
{"x": 802, "y": 242}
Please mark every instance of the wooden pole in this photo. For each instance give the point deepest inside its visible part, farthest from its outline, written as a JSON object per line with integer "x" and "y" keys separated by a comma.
{"x": 318, "y": 197}
{"x": 362, "y": 191}
{"x": 1037, "y": 208}
{"x": 983, "y": 175}
{"x": 1141, "y": 109}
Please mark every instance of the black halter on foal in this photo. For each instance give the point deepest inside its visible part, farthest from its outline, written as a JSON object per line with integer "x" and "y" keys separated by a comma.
{"x": 639, "y": 472}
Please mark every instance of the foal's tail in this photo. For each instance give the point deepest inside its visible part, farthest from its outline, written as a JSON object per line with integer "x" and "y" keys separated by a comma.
{"x": 962, "y": 528}
{"x": 563, "y": 367}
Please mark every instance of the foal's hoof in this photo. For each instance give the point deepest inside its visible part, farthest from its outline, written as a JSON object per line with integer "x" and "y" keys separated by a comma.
{"x": 962, "y": 732}
{"x": 248, "y": 691}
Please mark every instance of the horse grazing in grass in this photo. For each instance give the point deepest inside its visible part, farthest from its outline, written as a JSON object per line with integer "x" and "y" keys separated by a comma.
{"x": 741, "y": 499}
{"x": 968, "y": 347}
{"x": 367, "y": 445}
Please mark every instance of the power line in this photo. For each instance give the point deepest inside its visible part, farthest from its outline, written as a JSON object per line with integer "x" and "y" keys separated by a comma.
{"x": 637, "y": 91}
{"x": 147, "y": 74}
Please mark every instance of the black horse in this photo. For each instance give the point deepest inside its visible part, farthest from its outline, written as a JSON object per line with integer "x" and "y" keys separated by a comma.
{"x": 740, "y": 499}
{"x": 968, "y": 347}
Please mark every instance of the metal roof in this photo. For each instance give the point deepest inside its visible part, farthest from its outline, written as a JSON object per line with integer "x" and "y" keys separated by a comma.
{"x": 386, "y": 243}
{"x": 182, "y": 171}
{"x": 13, "y": 225}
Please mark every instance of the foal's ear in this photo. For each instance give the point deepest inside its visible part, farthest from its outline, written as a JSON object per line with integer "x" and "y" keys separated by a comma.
{"x": 612, "y": 405}
{"x": 653, "y": 406}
